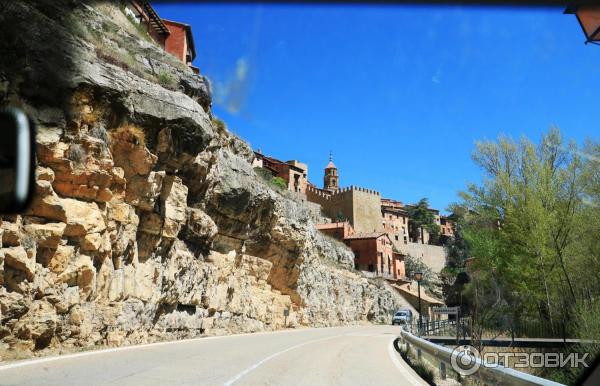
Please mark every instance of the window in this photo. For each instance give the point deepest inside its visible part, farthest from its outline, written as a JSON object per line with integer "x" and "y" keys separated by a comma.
{"x": 396, "y": 237}
{"x": 371, "y": 268}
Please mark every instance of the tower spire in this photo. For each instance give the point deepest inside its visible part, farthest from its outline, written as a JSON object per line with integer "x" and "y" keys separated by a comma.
{"x": 330, "y": 179}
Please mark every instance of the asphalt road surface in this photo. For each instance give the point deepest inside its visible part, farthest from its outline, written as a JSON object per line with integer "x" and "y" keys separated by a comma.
{"x": 358, "y": 355}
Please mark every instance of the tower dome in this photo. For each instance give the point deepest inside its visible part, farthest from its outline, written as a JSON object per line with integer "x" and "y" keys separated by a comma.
{"x": 331, "y": 179}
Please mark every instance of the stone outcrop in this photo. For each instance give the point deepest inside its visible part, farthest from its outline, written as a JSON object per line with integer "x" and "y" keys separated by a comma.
{"x": 148, "y": 222}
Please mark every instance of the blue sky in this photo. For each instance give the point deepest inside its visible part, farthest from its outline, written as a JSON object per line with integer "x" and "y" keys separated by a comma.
{"x": 399, "y": 94}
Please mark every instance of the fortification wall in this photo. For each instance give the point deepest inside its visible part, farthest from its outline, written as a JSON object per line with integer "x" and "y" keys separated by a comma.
{"x": 367, "y": 210}
{"x": 433, "y": 256}
{"x": 340, "y": 204}
{"x": 317, "y": 196}
{"x": 361, "y": 206}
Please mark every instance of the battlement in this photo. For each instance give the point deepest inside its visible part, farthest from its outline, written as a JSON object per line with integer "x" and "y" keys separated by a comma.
{"x": 352, "y": 188}
{"x": 316, "y": 192}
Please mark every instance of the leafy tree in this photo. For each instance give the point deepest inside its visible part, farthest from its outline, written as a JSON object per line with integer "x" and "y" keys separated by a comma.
{"x": 533, "y": 227}
{"x": 457, "y": 248}
{"x": 415, "y": 264}
{"x": 421, "y": 217}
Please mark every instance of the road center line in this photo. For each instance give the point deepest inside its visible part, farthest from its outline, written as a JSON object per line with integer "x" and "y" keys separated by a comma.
{"x": 240, "y": 375}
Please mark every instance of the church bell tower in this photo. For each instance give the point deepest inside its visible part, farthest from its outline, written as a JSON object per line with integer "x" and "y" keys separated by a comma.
{"x": 331, "y": 180}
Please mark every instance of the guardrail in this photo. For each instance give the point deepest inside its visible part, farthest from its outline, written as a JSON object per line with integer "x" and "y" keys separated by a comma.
{"x": 498, "y": 375}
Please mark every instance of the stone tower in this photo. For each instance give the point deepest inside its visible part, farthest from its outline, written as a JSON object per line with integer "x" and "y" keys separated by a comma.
{"x": 331, "y": 180}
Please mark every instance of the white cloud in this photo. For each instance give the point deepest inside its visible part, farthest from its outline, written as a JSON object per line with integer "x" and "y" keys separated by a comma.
{"x": 437, "y": 76}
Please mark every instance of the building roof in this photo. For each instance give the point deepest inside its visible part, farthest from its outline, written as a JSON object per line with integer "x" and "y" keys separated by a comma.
{"x": 155, "y": 20}
{"x": 371, "y": 235}
{"x": 330, "y": 165}
{"x": 429, "y": 300}
{"x": 188, "y": 34}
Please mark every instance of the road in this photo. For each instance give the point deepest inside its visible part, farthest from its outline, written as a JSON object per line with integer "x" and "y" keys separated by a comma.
{"x": 357, "y": 355}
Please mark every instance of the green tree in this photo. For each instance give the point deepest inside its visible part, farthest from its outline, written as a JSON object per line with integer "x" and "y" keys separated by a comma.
{"x": 422, "y": 218}
{"x": 533, "y": 227}
{"x": 415, "y": 264}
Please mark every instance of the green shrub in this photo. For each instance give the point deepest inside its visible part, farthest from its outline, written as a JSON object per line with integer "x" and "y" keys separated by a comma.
{"x": 218, "y": 124}
{"x": 266, "y": 175}
{"x": 279, "y": 183}
{"x": 424, "y": 371}
{"x": 167, "y": 80}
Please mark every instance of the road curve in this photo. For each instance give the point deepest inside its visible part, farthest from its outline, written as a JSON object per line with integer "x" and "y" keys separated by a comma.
{"x": 357, "y": 355}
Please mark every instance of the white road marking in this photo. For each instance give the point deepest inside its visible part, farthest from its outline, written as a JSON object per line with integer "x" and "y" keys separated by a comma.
{"x": 240, "y": 375}
{"x": 407, "y": 372}
{"x": 36, "y": 361}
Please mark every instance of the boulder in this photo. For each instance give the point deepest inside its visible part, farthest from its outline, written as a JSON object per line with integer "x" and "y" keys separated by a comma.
{"x": 11, "y": 232}
{"x": 199, "y": 227}
{"x": 80, "y": 272}
{"x": 173, "y": 206}
{"x": 56, "y": 259}
{"x": 142, "y": 191}
{"x": 151, "y": 223}
{"x": 47, "y": 235}
{"x": 38, "y": 325}
{"x": 17, "y": 258}
{"x": 80, "y": 217}
{"x": 130, "y": 154}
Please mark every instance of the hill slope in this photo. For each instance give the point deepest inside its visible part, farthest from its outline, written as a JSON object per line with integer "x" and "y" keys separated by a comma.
{"x": 149, "y": 222}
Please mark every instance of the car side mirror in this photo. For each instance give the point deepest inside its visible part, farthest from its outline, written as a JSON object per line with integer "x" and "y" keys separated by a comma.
{"x": 17, "y": 160}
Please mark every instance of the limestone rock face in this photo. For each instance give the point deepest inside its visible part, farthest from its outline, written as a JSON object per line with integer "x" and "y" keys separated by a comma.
{"x": 148, "y": 223}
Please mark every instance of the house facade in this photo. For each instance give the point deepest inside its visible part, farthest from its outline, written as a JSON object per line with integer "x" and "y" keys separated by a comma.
{"x": 174, "y": 37}
{"x": 293, "y": 172}
{"x": 373, "y": 252}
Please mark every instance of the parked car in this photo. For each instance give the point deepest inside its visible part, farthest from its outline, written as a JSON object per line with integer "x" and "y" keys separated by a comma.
{"x": 402, "y": 317}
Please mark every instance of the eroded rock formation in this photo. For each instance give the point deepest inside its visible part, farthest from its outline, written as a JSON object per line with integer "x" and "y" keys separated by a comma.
{"x": 148, "y": 222}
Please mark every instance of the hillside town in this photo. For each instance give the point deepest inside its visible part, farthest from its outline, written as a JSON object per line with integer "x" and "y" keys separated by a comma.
{"x": 375, "y": 228}
{"x": 151, "y": 224}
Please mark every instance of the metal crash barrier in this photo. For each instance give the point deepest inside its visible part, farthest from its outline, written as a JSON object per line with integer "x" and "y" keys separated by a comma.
{"x": 472, "y": 366}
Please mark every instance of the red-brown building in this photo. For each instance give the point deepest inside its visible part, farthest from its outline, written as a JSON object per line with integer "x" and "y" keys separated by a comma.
{"x": 293, "y": 172}
{"x": 338, "y": 230}
{"x": 395, "y": 220}
{"x": 446, "y": 226}
{"x": 174, "y": 37}
{"x": 142, "y": 13}
{"x": 373, "y": 252}
{"x": 180, "y": 42}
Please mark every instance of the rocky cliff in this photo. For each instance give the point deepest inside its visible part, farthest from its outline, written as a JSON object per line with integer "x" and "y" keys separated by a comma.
{"x": 148, "y": 222}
